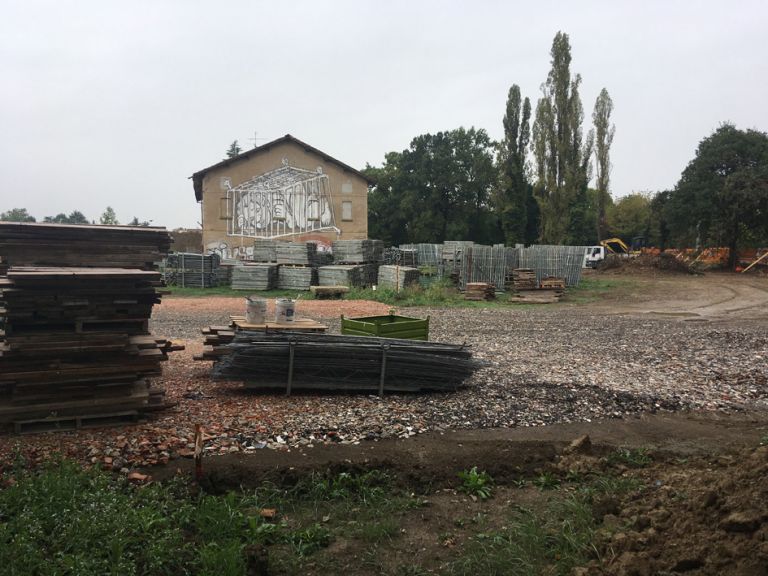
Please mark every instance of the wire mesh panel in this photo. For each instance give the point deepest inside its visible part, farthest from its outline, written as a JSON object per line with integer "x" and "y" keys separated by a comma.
{"x": 548, "y": 260}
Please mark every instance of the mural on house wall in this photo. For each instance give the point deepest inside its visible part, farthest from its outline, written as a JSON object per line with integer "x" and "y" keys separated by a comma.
{"x": 283, "y": 202}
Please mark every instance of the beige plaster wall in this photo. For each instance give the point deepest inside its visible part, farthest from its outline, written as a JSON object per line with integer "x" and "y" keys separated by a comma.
{"x": 344, "y": 185}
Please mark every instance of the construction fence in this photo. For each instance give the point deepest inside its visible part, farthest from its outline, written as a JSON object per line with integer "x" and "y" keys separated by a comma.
{"x": 465, "y": 262}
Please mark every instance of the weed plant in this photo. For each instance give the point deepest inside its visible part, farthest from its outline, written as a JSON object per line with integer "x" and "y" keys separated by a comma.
{"x": 474, "y": 483}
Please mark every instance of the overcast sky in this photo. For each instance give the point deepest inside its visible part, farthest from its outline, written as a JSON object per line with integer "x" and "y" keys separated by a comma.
{"x": 118, "y": 103}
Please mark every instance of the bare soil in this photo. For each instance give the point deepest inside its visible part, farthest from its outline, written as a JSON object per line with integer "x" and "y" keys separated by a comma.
{"x": 721, "y": 297}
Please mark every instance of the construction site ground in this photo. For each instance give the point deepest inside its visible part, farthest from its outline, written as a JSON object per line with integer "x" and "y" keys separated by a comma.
{"x": 670, "y": 363}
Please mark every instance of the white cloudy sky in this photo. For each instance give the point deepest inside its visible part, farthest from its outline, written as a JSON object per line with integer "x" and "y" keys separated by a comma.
{"x": 117, "y": 103}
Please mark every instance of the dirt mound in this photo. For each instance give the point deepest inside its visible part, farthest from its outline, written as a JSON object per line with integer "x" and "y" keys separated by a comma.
{"x": 699, "y": 516}
{"x": 644, "y": 263}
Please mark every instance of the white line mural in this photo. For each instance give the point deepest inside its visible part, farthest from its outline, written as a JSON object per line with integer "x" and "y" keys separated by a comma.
{"x": 281, "y": 202}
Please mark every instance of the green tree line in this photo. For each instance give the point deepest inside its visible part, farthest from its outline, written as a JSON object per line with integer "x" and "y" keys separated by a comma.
{"x": 108, "y": 217}
{"x": 533, "y": 185}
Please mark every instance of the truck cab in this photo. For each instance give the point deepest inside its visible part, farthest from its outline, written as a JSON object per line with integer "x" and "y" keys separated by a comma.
{"x": 593, "y": 255}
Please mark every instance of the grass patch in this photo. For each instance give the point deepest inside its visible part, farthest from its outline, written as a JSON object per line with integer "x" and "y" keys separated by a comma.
{"x": 63, "y": 519}
{"x": 179, "y": 292}
{"x": 437, "y": 293}
{"x": 630, "y": 457}
{"x": 553, "y": 540}
{"x": 592, "y": 289}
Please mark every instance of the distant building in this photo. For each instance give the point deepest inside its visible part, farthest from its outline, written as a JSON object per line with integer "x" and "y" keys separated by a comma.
{"x": 283, "y": 190}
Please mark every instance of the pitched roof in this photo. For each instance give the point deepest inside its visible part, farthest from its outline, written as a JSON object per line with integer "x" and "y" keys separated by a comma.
{"x": 197, "y": 177}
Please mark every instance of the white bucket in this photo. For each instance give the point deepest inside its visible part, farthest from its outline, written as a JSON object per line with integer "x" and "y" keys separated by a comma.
{"x": 284, "y": 310}
{"x": 255, "y": 310}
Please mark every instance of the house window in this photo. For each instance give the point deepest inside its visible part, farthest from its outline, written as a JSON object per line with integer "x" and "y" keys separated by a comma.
{"x": 346, "y": 210}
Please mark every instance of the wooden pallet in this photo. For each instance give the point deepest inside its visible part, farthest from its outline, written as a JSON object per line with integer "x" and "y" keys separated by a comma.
{"x": 328, "y": 292}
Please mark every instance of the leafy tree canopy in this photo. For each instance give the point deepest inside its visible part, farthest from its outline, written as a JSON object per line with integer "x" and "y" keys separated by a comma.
{"x": 722, "y": 196}
{"x": 438, "y": 189}
{"x": 17, "y": 215}
{"x": 75, "y": 217}
{"x": 108, "y": 217}
{"x": 234, "y": 150}
{"x": 630, "y": 216}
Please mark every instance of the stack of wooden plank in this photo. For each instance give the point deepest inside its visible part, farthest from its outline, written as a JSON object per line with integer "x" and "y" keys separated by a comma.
{"x": 524, "y": 279}
{"x": 358, "y": 251}
{"x": 298, "y": 253}
{"x": 217, "y": 337}
{"x": 254, "y": 277}
{"x": 264, "y": 250}
{"x": 329, "y": 362}
{"x": 192, "y": 270}
{"x": 75, "y": 349}
{"x": 296, "y": 277}
{"x": 397, "y": 277}
{"x": 41, "y": 244}
{"x": 479, "y": 291}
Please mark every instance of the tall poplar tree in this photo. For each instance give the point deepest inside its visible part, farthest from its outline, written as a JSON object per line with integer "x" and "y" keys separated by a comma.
{"x": 604, "y": 131}
{"x": 514, "y": 193}
{"x": 561, "y": 154}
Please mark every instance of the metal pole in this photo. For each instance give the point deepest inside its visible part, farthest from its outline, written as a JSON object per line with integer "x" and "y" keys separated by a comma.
{"x": 384, "y": 348}
{"x": 291, "y": 352}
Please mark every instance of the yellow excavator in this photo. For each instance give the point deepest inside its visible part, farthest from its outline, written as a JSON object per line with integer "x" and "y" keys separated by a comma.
{"x": 596, "y": 254}
{"x": 615, "y": 246}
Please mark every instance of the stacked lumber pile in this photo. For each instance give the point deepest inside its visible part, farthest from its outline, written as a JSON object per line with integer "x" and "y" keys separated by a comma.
{"x": 296, "y": 277}
{"x": 215, "y": 339}
{"x": 75, "y": 349}
{"x": 264, "y": 251}
{"x": 254, "y": 277}
{"x": 524, "y": 279}
{"x": 294, "y": 360}
{"x": 192, "y": 270}
{"x": 479, "y": 291}
{"x": 397, "y": 277}
{"x": 298, "y": 253}
{"x": 358, "y": 251}
{"x": 40, "y": 244}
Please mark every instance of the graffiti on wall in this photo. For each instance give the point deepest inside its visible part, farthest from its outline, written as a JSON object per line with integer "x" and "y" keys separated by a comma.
{"x": 283, "y": 202}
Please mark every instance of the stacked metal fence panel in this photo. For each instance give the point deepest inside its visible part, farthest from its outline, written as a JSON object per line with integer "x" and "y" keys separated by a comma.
{"x": 357, "y": 251}
{"x": 485, "y": 264}
{"x": 264, "y": 250}
{"x": 494, "y": 264}
{"x": 293, "y": 360}
{"x": 397, "y": 277}
{"x": 296, "y": 277}
{"x": 548, "y": 260}
{"x": 300, "y": 253}
{"x": 254, "y": 277}
{"x": 339, "y": 275}
{"x": 192, "y": 270}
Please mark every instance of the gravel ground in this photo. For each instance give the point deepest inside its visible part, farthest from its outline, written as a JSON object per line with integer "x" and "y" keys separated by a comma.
{"x": 546, "y": 365}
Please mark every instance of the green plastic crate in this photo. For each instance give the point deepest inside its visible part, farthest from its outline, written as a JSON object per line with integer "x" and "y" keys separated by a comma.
{"x": 389, "y": 326}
